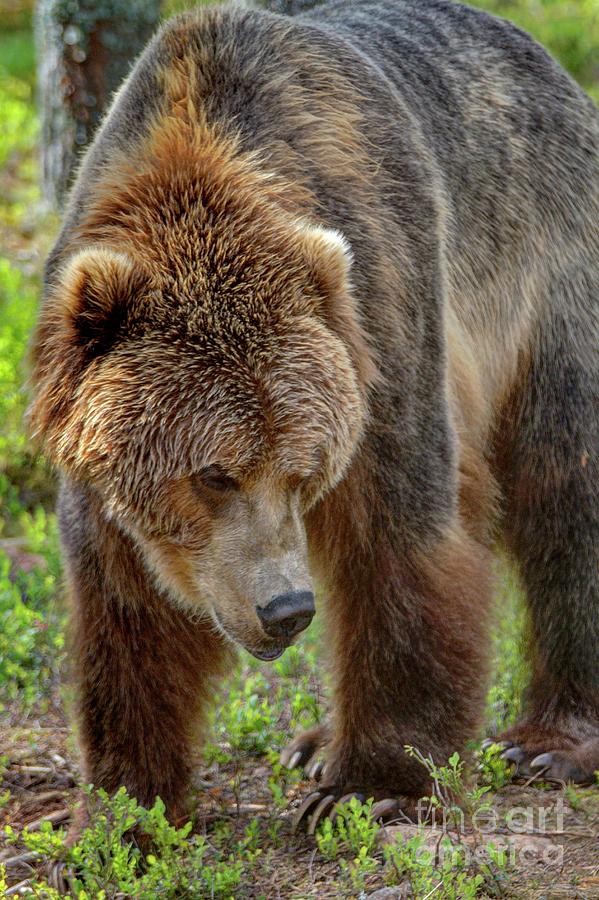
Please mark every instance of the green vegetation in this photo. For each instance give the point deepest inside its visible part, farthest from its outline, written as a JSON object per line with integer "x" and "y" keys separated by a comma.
{"x": 104, "y": 861}
{"x": 353, "y": 839}
{"x": 31, "y": 629}
{"x": 243, "y": 846}
{"x": 569, "y": 29}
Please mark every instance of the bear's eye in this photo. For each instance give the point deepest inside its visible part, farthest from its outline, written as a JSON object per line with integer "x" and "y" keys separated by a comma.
{"x": 215, "y": 479}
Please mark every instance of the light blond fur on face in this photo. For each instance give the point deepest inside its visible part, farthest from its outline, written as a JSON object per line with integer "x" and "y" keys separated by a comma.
{"x": 250, "y": 548}
{"x": 279, "y": 411}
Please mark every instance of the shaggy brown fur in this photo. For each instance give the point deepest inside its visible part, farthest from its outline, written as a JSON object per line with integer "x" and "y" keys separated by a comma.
{"x": 325, "y": 302}
{"x": 144, "y": 670}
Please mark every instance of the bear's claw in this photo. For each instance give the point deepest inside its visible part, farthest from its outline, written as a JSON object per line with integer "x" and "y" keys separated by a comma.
{"x": 514, "y": 755}
{"x": 294, "y": 761}
{"x": 386, "y": 810}
{"x": 326, "y": 803}
{"x": 316, "y": 769}
{"x": 567, "y": 764}
{"x": 542, "y": 761}
{"x": 61, "y": 878}
{"x": 559, "y": 767}
{"x": 322, "y": 809}
{"x": 305, "y": 808}
{"x": 319, "y": 805}
{"x": 303, "y": 749}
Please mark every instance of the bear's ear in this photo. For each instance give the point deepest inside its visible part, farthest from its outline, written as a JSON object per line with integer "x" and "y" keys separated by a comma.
{"x": 328, "y": 258}
{"x": 96, "y": 291}
{"x": 81, "y": 320}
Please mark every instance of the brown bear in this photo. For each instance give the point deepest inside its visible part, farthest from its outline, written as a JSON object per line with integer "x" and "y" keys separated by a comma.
{"x": 325, "y": 305}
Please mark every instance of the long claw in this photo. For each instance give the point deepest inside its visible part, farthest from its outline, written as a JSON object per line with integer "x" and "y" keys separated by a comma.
{"x": 514, "y": 755}
{"x": 60, "y": 877}
{"x": 384, "y": 810}
{"x": 542, "y": 761}
{"x": 556, "y": 766}
{"x": 285, "y": 756}
{"x": 290, "y": 758}
{"x": 319, "y": 813}
{"x": 315, "y": 770}
{"x": 303, "y": 748}
{"x": 310, "y": 801}
{"x": 295, "y": 760}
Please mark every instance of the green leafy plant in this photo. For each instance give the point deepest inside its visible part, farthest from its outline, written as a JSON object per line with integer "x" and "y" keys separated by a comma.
{"x": 107, "y": 860}
{"x": 3, "y": 882}
{"x": 410, "y": 860}
{"x": 261, "y": 709}
{"x": 494, "y": 771}
{"x": 31, "y": 627}
{"x": 452, "y": 793}
{"x": 247, "y": 719}
{"x": 353, "y": 829}
{"x": 19, "y": 121}
{"x": 510, "y": 658}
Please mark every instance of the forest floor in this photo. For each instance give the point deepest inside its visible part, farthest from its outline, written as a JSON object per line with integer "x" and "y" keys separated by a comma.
{"x": 551, "y": 833}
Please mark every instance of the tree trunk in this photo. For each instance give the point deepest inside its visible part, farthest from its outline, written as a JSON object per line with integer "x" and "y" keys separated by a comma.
{"x": 85, "y": 49}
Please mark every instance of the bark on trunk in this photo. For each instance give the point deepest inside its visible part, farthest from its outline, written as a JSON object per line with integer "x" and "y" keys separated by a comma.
{"x": 85, "y": 49}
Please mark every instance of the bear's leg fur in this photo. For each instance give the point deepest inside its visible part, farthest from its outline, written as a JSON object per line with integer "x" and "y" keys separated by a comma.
{"x": 409, "y": 632}
{"x": 144, "y": 671}
{"x": 551, "y": 461}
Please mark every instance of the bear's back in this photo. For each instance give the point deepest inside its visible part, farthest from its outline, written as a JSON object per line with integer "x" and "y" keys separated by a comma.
{"x": 511, "y": 132}
{"x": 411, "y": 124}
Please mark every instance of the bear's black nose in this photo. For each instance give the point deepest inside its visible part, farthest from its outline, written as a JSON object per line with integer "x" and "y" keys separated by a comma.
{"x": 287, "y": 614}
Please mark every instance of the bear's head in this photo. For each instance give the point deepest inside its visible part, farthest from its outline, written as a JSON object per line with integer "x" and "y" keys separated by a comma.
{"x": 210, "y": 397}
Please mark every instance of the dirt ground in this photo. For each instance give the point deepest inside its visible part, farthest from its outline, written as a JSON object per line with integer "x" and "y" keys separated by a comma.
{"x": 552, "y": 833}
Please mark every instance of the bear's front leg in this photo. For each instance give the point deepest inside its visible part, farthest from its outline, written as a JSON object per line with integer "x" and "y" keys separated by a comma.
{"x": 144, "y": 672}
{"x": 410, "y": 638}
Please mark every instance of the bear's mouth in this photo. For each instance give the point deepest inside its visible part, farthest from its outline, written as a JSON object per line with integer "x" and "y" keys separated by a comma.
{"x": 268, "y": 655}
